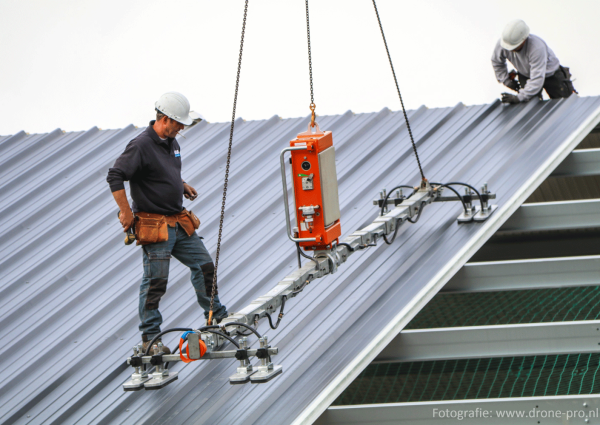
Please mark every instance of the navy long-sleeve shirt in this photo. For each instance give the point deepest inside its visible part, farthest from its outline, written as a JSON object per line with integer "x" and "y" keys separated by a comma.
{"x": 153, "y": 168}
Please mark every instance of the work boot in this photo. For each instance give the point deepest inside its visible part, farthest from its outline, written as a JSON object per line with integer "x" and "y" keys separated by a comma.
{"x": 146, "y": 340}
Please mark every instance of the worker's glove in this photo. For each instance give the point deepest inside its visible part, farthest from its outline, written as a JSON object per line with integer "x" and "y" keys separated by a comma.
{"x": 510, "y": 98}
{"x": 513, "y": 85}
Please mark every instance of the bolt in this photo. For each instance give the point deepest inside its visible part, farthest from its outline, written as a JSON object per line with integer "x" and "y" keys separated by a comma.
{"x": 584, "y": 404}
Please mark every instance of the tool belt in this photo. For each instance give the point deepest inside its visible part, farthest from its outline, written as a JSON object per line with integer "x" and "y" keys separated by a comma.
{"x": 567, "y": 73}
{"x": 153, "y": 228}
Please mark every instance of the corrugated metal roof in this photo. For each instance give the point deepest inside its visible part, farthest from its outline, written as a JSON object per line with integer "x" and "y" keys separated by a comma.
{"x": 68, "y": 288}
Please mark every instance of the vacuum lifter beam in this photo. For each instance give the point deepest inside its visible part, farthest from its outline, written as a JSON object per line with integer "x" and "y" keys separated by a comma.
{"x": 327, "y": 261}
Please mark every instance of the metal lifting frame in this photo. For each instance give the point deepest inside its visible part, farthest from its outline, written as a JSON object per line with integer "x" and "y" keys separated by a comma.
{"x": 327, "y": 261}
{"x": 324, "y": 262}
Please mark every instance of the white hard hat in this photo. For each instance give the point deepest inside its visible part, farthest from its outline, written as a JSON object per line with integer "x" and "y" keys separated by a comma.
{"x": 175, "y": 106}
{"x": 515, "y": 32}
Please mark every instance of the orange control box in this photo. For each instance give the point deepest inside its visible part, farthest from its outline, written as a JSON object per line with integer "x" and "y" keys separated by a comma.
{"x": 315, "y": 189}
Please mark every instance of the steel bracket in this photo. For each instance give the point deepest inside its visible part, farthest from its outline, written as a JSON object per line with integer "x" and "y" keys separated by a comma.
{"x": 467, "y": 217}
{"x": 139, "y": 377}
{"x": 160, "y": 379}
{"x": 485, "y": 213}
{"x": 266, "y": 370}
{"x": 245, "y": 370}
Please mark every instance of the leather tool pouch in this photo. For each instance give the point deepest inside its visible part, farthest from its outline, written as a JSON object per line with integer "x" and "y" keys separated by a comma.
{"x": 149, "y": 230}
{"x": 189, "y": 222}
{"x": 567, "y": 73}
{"x": 194, "y": 218}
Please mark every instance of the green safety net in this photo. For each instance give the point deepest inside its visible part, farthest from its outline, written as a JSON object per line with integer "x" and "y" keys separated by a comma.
{"x": 529, "y": 376}
{"x": 509, "y": 307}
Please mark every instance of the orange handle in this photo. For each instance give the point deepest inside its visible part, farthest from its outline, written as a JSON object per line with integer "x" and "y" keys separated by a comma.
{"x": 187, "y": 351}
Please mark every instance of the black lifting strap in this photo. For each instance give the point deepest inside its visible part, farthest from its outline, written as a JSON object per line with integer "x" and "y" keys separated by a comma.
{"x": 237, "y": 84}
{"x": 399, "y": 95}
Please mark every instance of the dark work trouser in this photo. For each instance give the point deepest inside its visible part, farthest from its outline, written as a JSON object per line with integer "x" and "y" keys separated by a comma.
{"x": 557, "y": 85}
{"x": 190, "y": 251}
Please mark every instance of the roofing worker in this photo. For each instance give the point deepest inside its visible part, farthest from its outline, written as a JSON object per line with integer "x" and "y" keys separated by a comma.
{"x": 152, "y": 164}
{"x": 537, "y": 66}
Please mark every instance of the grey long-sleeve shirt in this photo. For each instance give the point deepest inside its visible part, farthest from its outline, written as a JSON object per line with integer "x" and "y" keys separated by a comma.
{"x": 535, "y": 60}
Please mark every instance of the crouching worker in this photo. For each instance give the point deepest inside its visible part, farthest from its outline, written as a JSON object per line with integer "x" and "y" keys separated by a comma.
{"x": 537, "y": 66}
{"x": 152, "y": 164}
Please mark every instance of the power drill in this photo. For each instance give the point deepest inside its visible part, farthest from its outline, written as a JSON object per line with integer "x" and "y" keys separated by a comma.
{"x": 130, "y": 237}
{"x": 513, "y": 76}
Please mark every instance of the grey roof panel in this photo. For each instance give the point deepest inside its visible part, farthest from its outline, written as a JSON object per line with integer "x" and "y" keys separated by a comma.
{"x": 68, "y": 287}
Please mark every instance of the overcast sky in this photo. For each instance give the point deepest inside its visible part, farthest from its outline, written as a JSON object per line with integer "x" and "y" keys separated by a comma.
{"x": 75, "y": 64}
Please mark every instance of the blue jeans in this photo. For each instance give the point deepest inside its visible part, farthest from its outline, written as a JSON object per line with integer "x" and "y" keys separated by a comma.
{"x": 190, "y": 251}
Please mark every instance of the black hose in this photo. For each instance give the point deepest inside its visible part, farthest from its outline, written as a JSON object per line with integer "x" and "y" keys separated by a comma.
{"x": 147, "y": 352}
{"x": 418, "y": 215}
{"x": 245, "y": 326}
{"x": 209, "y": 327}
{"x": 230, "y": 339}
{"x": 404, "y": 186}
{"x": 469, "y": 186}
{"x": 201, "y": 329}
{"x": 280, "y": 314}
{"x": 393, "y": 237}
{"x": 297, "y": 291}
{"x": 385, "y": 239}
{"x": 462, "y": 201}
{"x": 370, "y": 244}
{"x": 347, "y": 245}
{"x": 298, "y": 255}
{"x": 306, "y": 256}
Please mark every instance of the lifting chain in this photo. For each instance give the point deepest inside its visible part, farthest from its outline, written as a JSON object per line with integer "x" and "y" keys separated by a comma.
{"x": 312, "y": 95}
{"x": 237, "y": 84}
{"x": 423, "y": 180}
